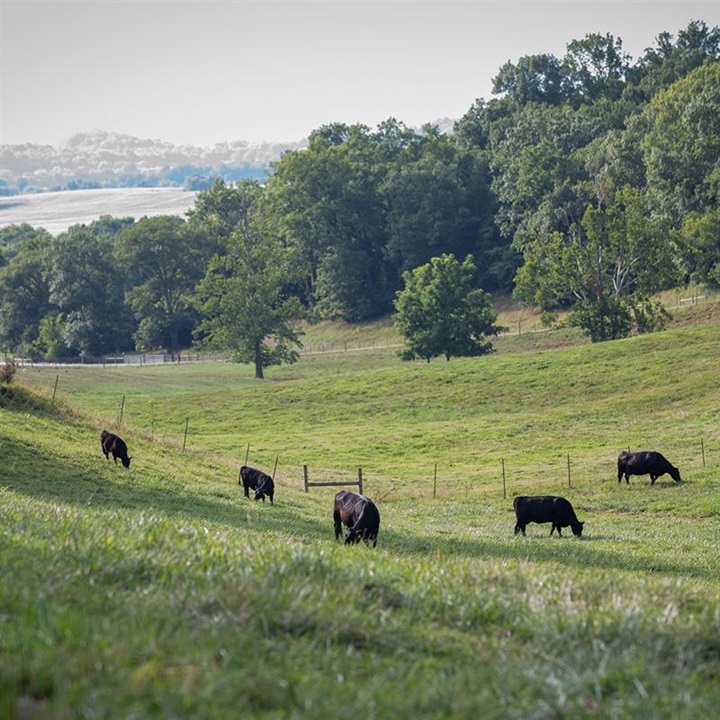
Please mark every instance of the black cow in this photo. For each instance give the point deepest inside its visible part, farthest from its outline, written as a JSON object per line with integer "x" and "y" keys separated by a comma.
{"x": 544, "y": 509}
{"x": 650, "y": 463}
{"x": 359, "y": 514}
{"x": 116, "y": 445}
{"x": 257, "y": 480}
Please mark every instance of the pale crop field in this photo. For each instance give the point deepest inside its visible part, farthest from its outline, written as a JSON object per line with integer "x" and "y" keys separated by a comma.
{"x": 57, "y": 211}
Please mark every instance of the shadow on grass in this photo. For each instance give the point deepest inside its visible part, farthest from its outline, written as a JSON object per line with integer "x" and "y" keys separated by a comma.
{"x": 26, "y": 471}
{"x": 568, "y": 551}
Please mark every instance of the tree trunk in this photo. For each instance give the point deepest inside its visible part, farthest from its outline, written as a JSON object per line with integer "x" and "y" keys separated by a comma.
{"x": 258, "y": 362}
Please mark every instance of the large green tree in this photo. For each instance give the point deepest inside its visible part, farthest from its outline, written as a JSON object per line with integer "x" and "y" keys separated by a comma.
{"x": 331, "y": 210}
{"x": 163, "y": 259}
{"x": 442, "y": 311}
{"x": 243, "y": 298}
{"x": 24, "y": 290}
{"x": 87, "y": 287}
{"x": 607, "y": 268}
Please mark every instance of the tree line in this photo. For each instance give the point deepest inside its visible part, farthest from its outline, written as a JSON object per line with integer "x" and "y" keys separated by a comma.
{"x": 587, "y": 183}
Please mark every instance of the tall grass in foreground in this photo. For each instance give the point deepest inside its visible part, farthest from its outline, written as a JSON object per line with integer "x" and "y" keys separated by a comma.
{"x": 160, "y": 592}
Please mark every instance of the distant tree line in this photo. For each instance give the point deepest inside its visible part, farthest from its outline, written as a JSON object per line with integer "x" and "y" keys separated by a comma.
{"x": 588, "y": 183}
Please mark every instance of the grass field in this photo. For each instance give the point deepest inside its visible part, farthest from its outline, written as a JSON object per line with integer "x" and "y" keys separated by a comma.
{"x": 161, "y": 592}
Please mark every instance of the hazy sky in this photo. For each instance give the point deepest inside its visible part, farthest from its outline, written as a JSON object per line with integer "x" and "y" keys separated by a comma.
{"x": 205, "y": 71}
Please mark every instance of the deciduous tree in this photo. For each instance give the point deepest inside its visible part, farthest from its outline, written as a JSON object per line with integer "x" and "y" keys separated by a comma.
{"x": 442, "y": 311}
{"x": 243, "y": 294}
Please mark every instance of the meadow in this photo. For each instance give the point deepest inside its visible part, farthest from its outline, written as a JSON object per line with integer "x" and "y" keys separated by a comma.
{"x": 161, "y": 592}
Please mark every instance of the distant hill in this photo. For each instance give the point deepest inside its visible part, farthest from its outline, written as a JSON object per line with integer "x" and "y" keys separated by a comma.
{"x": 109, "y": 160}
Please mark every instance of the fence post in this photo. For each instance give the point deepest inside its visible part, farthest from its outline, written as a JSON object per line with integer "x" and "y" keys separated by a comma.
{"x": 435, "y": 482}
{"x": 360, "y": 480}
{"x": 247, "y": 452}
{"x": 57, "y": 378}
{"x": 187, "y": 420}
{"x": 122, "y": 409}
{"x": 305, "y": 476}
{"x": 568, "y": 463}
{"x": 502, "y": 460}
{"x": 702, "y": 449}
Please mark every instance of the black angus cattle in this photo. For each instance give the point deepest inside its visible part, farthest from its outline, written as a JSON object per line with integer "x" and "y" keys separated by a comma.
{"x": 257, "y": 480}
{"x": 116, "y": 445}
{"x": 359, "y": 514}
{"x": 546, "y": 509}
{"x": 650, "y": 463}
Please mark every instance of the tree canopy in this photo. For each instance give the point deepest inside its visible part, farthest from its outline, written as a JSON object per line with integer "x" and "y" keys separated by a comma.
{"x": 587, "y": 183}
{"x": 441, "y": 311}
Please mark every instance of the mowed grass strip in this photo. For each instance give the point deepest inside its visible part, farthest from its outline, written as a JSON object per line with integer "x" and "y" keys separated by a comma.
{"x": 160, "y": 591}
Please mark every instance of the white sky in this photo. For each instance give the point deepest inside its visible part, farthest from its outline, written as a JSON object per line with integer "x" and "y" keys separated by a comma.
{"x": 206, "y": 71}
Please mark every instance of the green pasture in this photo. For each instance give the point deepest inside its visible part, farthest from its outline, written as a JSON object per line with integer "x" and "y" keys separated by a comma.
{"x": 161, "y": 592}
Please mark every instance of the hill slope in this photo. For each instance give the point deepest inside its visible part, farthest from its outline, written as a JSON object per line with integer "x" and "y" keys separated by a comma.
{"x": 161, "y": 591}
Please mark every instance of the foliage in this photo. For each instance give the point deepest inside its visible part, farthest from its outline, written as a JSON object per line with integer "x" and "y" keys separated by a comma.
{"x": 242, "y": 295}
{"x": 581, "y": 172}
{"x": 441, "y": 311}
{"x": 85, "y": 286}
{"x": 681, "y": 145}
{"x": 163, "y": 260}
{"x": 24, "y": 292}
{"x": 612, "y": 264}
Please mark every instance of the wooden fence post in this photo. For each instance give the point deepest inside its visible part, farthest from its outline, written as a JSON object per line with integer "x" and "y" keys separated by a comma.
{"x": 305, "y": 476}
{"x": 360, "y": 479}
{"x": 568, "y": 463}
{"x": 502, "y": 460}
{"x": 187, "y": 421}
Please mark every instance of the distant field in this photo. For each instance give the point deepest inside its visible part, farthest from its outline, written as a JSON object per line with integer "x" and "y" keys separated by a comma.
{"x": 57, "y": 211}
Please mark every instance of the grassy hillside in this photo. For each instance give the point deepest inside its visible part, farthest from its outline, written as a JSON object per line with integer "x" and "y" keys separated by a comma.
{"x": 160, "y": 591}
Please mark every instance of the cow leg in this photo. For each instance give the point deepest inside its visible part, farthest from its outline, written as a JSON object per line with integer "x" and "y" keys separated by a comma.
{"x": 246, "y": 490}
{"x": 653, "y": 478}
{"x": 338, "y": 524}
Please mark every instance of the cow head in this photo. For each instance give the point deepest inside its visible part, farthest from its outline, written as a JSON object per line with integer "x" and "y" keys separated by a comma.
{"x": 126, "y": 461}
{"x": 577, "y": 528}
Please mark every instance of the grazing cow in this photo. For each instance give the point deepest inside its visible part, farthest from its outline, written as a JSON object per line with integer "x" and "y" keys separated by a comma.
{"x": 544, "y": 509}
{"x": 653, "y": 464}
{"x": 116, "y": 445}
{"x": 257, "y": 480}
{"x": 359, "y": 514}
